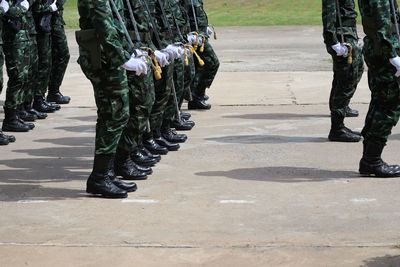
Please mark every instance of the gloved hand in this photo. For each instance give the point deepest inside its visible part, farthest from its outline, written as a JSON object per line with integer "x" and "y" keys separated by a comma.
{"x": 210, "y": 31}
{"x": 161, "y": 58}
{"x": 192, "y": 38}
{"x": 5, "y": 6}
{"x": 341, "y": 50}
{"x": 136, "y": 64}
{"x": 181, "y": 51}
{"x": 53, "y": 6}
{"x": 172, "y": 51}
{"x": 200, "y": 40}
{"x": 25, "y": 4}
{"x": 140, "y": 52}
{"x": 396, "y": 63}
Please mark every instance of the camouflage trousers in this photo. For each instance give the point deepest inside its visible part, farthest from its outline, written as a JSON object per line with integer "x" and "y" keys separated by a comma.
{"x": 44, "y": 61}
{"x": 110, "y": 86}
{"x": 205, "y": 75}
{"x": 176, "y": 95}
{"x": 345, "y": 77}
{"x": 59, "y": 53}
{"x": 33, "y": 69}
{"x": 141, "y": 100}
{"x": 190, "y": 73}
{"x": 162, "y": 90}
{"x": 17, "y": 64}
{"x": 1, "y": 66}
{"x": 384, "y": 108}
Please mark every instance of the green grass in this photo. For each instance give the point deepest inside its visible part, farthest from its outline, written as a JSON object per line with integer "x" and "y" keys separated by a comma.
{"x": 244, "y": 12}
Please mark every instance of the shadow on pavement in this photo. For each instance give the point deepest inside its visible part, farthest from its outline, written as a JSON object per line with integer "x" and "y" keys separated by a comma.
{"x": 385, "y": 261}
{"x": 277, "y": 116}
{"x": 267, "y": 139}
{"x": 282, "y": 174}
{"x": 78, "y": 129}
{"x": 27, "y": 178}
{"x": 85, "y": 118}
{"x": 394, "y": 137}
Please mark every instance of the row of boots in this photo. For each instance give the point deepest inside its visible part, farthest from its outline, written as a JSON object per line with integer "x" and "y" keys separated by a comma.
{"x": 21, "y": 119}
{"x": 136, "y": 165}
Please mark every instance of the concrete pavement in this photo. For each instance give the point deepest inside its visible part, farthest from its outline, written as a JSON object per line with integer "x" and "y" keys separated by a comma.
{"x": 258, "y": 183}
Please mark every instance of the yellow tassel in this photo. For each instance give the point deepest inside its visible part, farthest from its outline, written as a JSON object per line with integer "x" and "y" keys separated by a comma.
{"x": 350, "y": 56}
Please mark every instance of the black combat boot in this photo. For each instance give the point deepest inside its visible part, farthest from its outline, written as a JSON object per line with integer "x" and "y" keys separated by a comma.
{"x": 198, "y": 103}
{"x": 351, "y": 112}
{"x": 172, "y": 136}
{"x": 100, "y": 181}
{"x": 12, "y": 123}
{"x": 41, "y": 105}
{"x": 3, "y": 139}
{"x": 25, "y": 115}
{"x": 340, "y": 133}
{"x": 372, "y": 164}
{"x": 39, "y": 115}
{"x": 128, "y": 187}
{"x": 185, "y": 115}
{"x": 126, "y": 168}
{"x": 55, "y": 96}
{"x": 162, "y": 142}
{"x": 152, "y": 145}
{"x": 183, "y": 125}
{"x": 141, "y": 159}
{"x": 147, "y": 153}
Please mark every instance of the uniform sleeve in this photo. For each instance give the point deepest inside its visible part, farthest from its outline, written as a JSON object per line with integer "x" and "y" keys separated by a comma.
{"x": 380, "y": 13}
{"x": 107, "y": 34}
{"x": 329, "y": 15}
{"x": 39, "y": 8}
{"x": 16, "y": 11}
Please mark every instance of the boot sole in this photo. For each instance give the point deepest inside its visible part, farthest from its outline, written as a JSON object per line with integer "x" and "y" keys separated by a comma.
{"x": 332, "y": 139}
{"x": 101, "y": 194}
{"x": 5, "y": 129}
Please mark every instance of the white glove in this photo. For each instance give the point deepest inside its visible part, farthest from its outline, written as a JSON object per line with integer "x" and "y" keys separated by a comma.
{"x": 181, "y": 51}
{"x": 210, "y": 31}
{"x": 137, "y": 65}
{"x": 172, "y": 51}
{"x": 5, "y": 6}
{"x": 140, "y": 52}
{"x": 161, "y": 58}
{"x": 200, "y": 40}
{"x": 396, "y": 63}
{"x": 25, "y": 4}
{"x": 192, "y": 38}
{"x": 341, "y": 50}
{"x": 53, "y": 6}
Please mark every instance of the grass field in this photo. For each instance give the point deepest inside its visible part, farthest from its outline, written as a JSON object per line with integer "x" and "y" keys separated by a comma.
{"x": 245, "y": 12}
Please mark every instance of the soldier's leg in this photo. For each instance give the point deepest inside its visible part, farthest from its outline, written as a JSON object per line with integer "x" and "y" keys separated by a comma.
{"x": 60, "y": 59}
{"x": 171, "y": 113}
{"x": 162, "y": 90}
{"x": 382, "y": 116}
{"x": 29, "y": 88}
{"x": 17, "y": 65}
{"x": 4, "y": 139}
{"x": 43, "y": 73}
{"x": 139, "y": 105}
{"x": 204, "y": 77}
{"x": 33, "y": 72}
{"x": 345, "y": 79}
{"x": 142, "y": 100}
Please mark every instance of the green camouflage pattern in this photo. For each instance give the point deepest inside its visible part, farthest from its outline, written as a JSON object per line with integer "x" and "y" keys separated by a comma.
{"x": 330, "y": 21}
{"x": 59, "y": 51}
{"x": 44, "y": 60}
{"x": 110, "y": 84}
{"x": 380, "y": 44}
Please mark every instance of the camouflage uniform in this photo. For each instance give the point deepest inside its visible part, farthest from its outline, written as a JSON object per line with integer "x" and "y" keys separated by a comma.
{"x": 345, "y": 76}
{"x": 1, "y": 49}
{"x": 162, "y": 87}
{"x": 380, "y": 44}
{"x": 42, "y": 8}
{"x": 204, "y": 75}
{"x": 16, "y": 50}
{"x": 141, "y": 96}
{"x": 102, "y": 66}
{"x": 34, "y": 59}
{"x": 59, "y": 49}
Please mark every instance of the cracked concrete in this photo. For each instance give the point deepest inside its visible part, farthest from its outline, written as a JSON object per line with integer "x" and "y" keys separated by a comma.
{"x": 257, "y": 184}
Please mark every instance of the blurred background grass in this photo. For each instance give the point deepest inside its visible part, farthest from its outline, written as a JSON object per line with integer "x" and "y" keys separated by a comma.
{"x": 244, "y": 12}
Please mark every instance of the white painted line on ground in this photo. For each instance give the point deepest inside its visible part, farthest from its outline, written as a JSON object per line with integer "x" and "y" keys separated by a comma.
{"x": 363, "y": 200}
{"x": 31, "y": 201}
{"x": 232, "y": 201}
{"x": 143, "y": 201}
